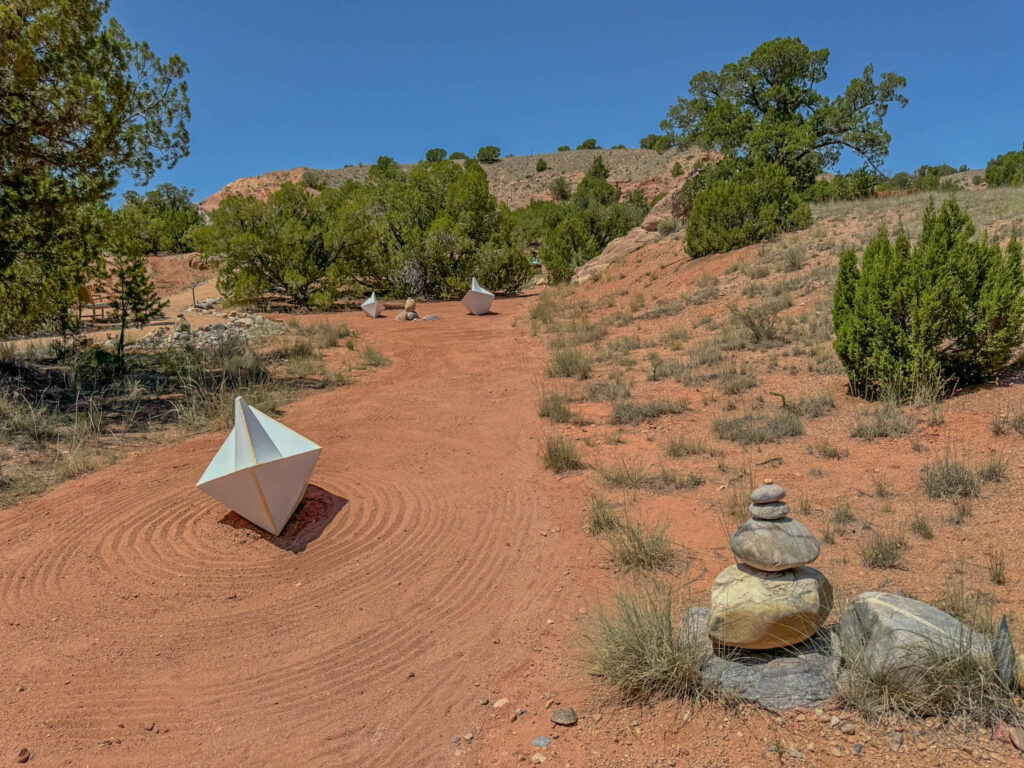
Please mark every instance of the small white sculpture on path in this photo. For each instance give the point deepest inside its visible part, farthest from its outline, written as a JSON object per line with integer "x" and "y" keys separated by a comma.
{"x": 372, "y": 307}
{"x": 477, "y": 300}
{"x": 262, "y": 469}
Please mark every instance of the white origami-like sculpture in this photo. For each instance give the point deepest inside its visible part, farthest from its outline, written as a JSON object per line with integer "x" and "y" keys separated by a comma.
{"x": 372, "y": 307}
{"x": 477, "y": 300}
{"x": 262, "y": 469}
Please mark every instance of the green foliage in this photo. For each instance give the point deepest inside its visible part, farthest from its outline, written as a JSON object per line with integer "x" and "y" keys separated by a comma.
{"x": 81, "y": 104}
{"x": 168, "y": 215}
{"x": 950, "y": 308}
{"x": 488, "y": 154}
{"x": 564, "y": 148}
{"x": 747, "y": 206}
{"x": 849, "y": 186}
{"x": 134, "y": 299}
{"x": 458, "y": 156}
{"x": 660, "y": 143}
{"x": 436, "y": 155}
{"x": 560, "y": 188}
{"x": 588, "y": 144}
{"x": 426, "y": 232}
{"x": 561, "y": 456}
{"x": 542, "y": 165}
{"x": 677, "y": 169}
{"x": 766, "y": 107}
{"x": 927, "y": 178}
{"x": 1006, "y": 169}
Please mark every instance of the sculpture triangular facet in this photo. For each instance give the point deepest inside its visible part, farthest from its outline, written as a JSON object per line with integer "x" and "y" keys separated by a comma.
{"x": 477, "y": 300}
{"x": 372, "y": 307}
{"x": 262, "y": 469}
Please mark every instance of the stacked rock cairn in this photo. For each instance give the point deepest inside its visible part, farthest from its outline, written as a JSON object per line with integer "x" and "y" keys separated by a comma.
{"x": 409, "y": 313}
{"x": 771, "y": 599}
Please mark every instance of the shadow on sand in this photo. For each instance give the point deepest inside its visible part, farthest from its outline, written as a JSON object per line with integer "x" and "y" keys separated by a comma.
{"x": 314, "y": 513}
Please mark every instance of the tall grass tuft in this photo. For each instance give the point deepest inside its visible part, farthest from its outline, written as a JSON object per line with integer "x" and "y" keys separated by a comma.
{"x": 635, "y": 546}
{"x": 561, "y": 455}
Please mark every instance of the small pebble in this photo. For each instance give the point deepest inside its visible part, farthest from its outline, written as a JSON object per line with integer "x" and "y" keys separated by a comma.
{"x": 857, "y": 748}
{"x": 566, "y": 717}
{"x": 23, "y": 756}
{"x": 848, "y": 728}
{"x": 537, "y": 758}
{"x": 541, "y": 741}
{"x": 484, "y": 702}
{"x": 467, "y": 737}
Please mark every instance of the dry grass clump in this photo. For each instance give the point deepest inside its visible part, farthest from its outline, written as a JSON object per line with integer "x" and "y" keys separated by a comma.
{"x": 634, "y": 475}
{"x": 640, "y": 654}
{"x": 561, "y": 455}
{"x": 734, "y": 379}
{"x": 629, "y": 411}
{"x": 555, "y": 406}
{"x": 373, "y": 357}
{"x": 997, "y": 567}
{"x": 570, "y": 363}
{"x": 602, "y": 516}
{"x": 817, "y": 405}
{"x": 921, "y": 527}
{"x": 326, "y": 335}
{"x": 761, "y": 321}
{"x": 995, "y": 469}
{"x": 678, "y": 447}
{"x": 948, "y": 476}
{"x": 883, "y": 550}
{"x": 636, "y": 546}
{"x": 616, "y": 387}
{"x": 756, "y": 429}
{"x": 887, "y": 420}
{"x": 826, "y": 450}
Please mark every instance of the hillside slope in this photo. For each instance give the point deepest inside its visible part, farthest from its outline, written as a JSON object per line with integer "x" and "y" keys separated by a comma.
{"x": 513, "y": 180}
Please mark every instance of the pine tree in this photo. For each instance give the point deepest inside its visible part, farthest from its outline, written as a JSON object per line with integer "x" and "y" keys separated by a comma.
{"x": 134, "y": 299}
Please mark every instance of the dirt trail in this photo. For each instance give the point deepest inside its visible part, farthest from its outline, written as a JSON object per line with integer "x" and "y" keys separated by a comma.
{"x": 140, "y": 627}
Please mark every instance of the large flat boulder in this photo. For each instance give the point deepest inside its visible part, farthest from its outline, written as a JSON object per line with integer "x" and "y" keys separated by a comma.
{"x": 757, "y": 610}
{"x": 781, "y": 679}
{"x": 892, "y": 637}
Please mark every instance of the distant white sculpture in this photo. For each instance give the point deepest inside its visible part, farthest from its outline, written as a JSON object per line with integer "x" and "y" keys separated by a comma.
{"x": 262, "y": 469}
{"x": 477, "y": 300}
{"x": 372, "y": 307}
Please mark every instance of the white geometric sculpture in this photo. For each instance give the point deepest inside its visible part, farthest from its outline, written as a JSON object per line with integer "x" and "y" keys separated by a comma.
{"x": 372, "y": 307}
{"x": 262, "y": 469}
{"x": 477, "y": 300}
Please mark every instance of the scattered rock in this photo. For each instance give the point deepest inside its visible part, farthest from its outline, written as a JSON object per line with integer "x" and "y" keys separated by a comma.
{"x": 401, "y": 317}
{"x": 858, "y": 748}
{"x": 500, "y": 703}
{"x": 484, "y": 702}
{"x": 895, "y": 741}
{"x": 894, "y": 636}
{"x": 1017, "y": 738}
{"x": 412, "y": 316}
{"x": 774, "y": 545}
{"x": 541, "y": 741}
{"x": 467, "y": 737}
{"x": 565, "y": 716}
{"x": 848, "y": 729}
{"x": 537, "y": 758}
{"x": 431, "y": 317}
{"x": 23, "y": 756}
{"x": 1005, "y": 656}
{"x": 756, "y": 610}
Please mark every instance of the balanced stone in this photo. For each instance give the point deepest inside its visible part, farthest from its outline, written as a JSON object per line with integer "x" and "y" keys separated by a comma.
{"x": 767, "y": 493}
{"x": 758, "y": 611}
{"x": 774, "y": 545}
{"x": 771, "y": 511}
{"x": 410, "y": 305}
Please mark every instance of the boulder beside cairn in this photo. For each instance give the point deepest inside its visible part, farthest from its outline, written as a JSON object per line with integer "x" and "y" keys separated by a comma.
{"x": 771, "y": 599}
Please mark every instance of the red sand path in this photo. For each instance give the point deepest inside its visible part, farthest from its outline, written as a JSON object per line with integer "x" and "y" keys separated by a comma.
{"x": 139, "y": 628}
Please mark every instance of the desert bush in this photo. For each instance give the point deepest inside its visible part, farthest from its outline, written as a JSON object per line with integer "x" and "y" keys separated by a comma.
{"x": 1006, "y": 169}
{"x": 732, "y": 379}
{"x": 629, "y": 411}
{"x": 635, "y": 476}
{"x": 883, "y": 550}
{"x": 588, "y": 144}
{"x": 886, "y": 420}
{"x": 635, "y": 546}
{"x": 760, "y": 320}
{"x": 458, "y": 156}
{"x": 570, "y": 363}
{"x": 555, "y": 406}
{"x": 639, "y": 652}
{"x": 614, "y": 388}
{"x": 488, "y": 154}
{"x": 757, "y": 429}
{"x": 667, "y": 226}
{"x": 602, "y": 516}
{"x": 817, "y": 405}
{"x": 436, "y": 155}
{"x": 677, "y": 169}
{"x": 561, "y": 455}
{"x": 560, "y": 188}
{"x": 745, "y": 206}
{"x": 842, "y": 514}
{"x": 997, "y": 567}
{"x": 994, "y": 469}
{"x": 826, "y": 450}
{"x": 542, "y": 165}
{"x": 962, "y": 508}
{"x": 949, "y": 476}
{"x": 950, "y": 308}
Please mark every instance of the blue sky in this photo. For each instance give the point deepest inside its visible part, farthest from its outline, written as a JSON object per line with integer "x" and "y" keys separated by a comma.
{"x": 323, "y": 84}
